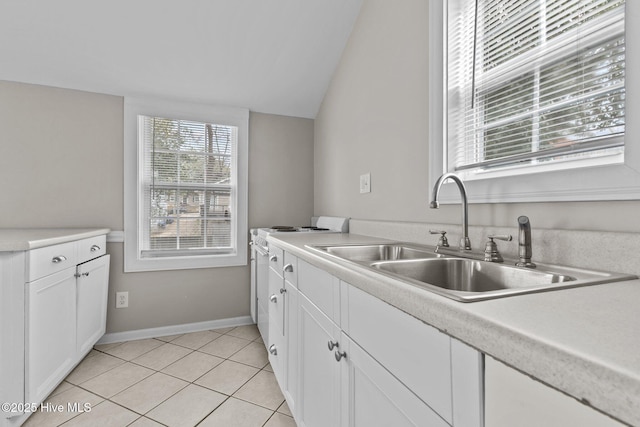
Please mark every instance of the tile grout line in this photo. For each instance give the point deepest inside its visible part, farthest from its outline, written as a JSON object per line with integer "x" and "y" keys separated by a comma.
{"x": 191, "y": 351}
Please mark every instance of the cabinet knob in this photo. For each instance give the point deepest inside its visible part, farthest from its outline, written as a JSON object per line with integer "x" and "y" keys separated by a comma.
{"x": 273, "y": 298}
{"x": 332, "y": 345}
{"x": 58, "y": 259}
{"x": 340, "y": 354}
{"x": 288, "y": 268}
{"x": 273, "y": 258}
{"x": 273, "y": 350}
{"x": 94, "y": 248}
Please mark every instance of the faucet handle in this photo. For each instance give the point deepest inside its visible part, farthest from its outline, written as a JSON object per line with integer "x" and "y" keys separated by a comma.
{"x": 505, "y": 237}
{"x": 443, "y": 238}
{"x": 491, "y": 253}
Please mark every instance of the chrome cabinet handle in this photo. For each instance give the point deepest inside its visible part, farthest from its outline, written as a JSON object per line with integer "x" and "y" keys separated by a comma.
{"x": 273, "y": 258}
{"x": 339, "y": 355}
{"x": 283, "y": 290}
{"x": 273, "y": 350}
{"x": 332, "y": 345}
{"x": 94, "y": 248}
{"x": 288, "y": 268}
{"x": 273, "y": 298}
{"x": 58, "y": 259}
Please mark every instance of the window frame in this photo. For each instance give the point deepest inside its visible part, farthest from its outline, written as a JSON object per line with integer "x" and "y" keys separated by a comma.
{"x": 133, "y": 178}
{"x": 601, "y": 182}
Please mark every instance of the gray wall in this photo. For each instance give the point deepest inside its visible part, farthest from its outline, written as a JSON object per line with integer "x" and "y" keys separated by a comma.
{"x": 61, "y": 165}
{"x": 374, "y": 118}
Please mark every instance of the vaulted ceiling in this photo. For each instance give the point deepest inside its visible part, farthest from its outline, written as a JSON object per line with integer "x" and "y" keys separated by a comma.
{"x": 272, "y": 56}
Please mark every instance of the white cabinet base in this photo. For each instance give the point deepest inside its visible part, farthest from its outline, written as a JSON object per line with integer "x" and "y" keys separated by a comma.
{"x": 51, "y": 339}
{"x": 514, "y": 399}
{"x": 375, "y": 398}
{"x": 92, "y": 295}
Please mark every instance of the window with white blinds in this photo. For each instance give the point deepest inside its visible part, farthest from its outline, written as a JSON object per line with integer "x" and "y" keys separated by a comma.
{"x": 534, "y": 84}
{"x": 189, "y": 187}
{"x": 186, "y": 185}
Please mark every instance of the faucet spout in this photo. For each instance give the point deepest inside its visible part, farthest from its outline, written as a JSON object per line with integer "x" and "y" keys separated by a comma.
{"x": 524, "y": 243}
{"x": 465, "y": 243}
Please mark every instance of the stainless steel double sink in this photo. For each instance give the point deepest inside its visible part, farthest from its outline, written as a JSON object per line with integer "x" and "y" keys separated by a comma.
{"x": 463, "y": 279}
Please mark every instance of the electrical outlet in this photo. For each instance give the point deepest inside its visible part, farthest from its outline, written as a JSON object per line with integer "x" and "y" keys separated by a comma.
{"x": 365, "y": 183}
{"x": 122, "y": 299}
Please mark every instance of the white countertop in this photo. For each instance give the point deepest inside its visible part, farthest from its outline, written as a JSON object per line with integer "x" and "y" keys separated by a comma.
{"x": 24, "y": 239}
{"x": 582, "y": 341}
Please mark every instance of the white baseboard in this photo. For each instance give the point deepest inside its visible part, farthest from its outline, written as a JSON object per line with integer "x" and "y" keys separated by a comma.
{"x": 174, "y": 329}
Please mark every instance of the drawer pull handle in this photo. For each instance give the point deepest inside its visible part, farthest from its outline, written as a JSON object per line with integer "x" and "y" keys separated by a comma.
{"x": 339, "y": 355}
{"x": 58, "y": 259}
{"x": 273, "y": 258}
{"x": 94, "y": 248}
{"x": 273, "y": 350}
{"x": 288, "y": 268}
{"x": 332, "y": 345}
{"x": 273, "y": 298}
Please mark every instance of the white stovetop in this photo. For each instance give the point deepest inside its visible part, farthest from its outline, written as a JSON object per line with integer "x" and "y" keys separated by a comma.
{"x": 23, "y": 239}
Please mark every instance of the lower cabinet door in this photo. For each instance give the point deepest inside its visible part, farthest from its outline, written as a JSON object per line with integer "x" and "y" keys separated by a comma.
{"x": 290, "y": 385}
{"x": 277, "y": 351}
{"x": 319, "y": 402}
{"x": 374, "y": 398}
{"x": 50, "y": 331}
{"x": 92, "y": 294}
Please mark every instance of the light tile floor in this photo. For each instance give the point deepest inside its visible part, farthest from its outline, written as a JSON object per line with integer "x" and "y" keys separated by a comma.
{"x": 210, "y": 378}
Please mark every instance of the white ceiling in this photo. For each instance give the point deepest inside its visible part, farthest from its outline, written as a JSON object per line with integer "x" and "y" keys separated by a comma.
{"x": 272, "y": 56}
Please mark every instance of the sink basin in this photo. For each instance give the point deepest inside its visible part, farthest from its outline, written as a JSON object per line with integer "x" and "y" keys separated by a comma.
{"x": 460, "y": 278}
{"x": 376, "y": 252}
{"x": 471, "y": 280}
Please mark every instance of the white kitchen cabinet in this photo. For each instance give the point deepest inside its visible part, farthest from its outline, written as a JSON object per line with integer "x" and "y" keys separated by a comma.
{"x": 54, "y": 301}
{"x": 12, "y": 298}
{"x": 283, "y": 314}
{"x": 275, "y": 338}
{"x": 374, "y": 398}
{"x": 65, "y": 310}
{"x": 319, "y": 382}
{"x": 51, "y": 339}
{"x": 290, "y": 380}
{"x": 92, "y": 295}
{"x": 417, "y": 354}
{"x": 355, "y": 360}
{"x": 513, "y": 398}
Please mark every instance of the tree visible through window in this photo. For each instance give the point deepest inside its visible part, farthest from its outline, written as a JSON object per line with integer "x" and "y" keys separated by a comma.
{"x": 188, "y": 186}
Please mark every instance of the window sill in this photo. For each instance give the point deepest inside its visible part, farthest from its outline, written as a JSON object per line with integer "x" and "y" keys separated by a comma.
{"x": 183, "y": 262}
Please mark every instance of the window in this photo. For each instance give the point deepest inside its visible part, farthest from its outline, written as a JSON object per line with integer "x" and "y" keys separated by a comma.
{"x": 187, "y": 165}
{"x": 535, "y": 99}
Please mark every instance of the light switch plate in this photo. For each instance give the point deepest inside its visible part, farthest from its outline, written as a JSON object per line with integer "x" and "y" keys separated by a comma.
{"x": 365, "y": 183}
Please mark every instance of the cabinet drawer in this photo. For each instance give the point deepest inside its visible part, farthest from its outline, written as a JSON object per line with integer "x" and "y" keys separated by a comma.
{"x": 91, "y": 248}
{"x": 321, "y": 288}
{"x": 50, "y": 259}
{"x": 414, "y": 352}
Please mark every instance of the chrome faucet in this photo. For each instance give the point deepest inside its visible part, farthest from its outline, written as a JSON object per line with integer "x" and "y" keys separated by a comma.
{"x": 524, "y": 242}
{"x": 465, "y": 243}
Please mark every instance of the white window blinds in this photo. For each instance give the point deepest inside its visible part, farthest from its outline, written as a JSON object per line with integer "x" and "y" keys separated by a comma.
{"x": 188, "y": 187}
{"x": 533, "y": 82}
